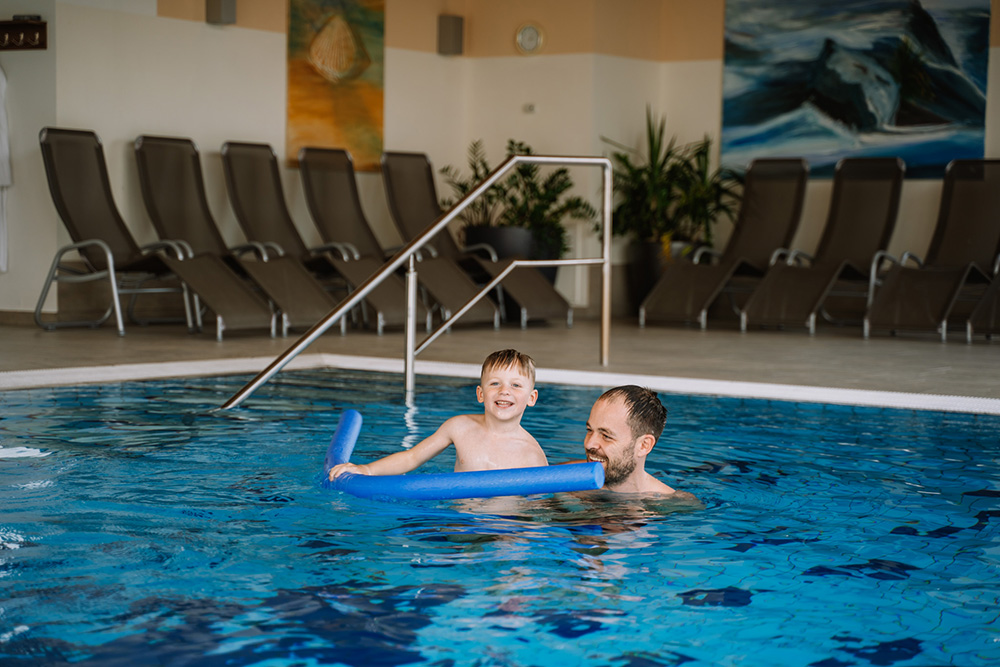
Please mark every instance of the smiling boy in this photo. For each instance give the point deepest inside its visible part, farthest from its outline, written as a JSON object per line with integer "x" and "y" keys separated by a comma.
{"x": 488, "y": 441}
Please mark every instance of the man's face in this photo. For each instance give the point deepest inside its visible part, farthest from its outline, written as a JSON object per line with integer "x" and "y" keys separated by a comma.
{"x": 506, "y": 392}
{"x": 609, "y": 441}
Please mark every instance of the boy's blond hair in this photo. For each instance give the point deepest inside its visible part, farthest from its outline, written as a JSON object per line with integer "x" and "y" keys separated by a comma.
{"x": 508, "y": 359}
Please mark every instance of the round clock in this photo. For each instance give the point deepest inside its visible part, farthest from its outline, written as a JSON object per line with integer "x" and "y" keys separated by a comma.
{"x": 529, "y": 38}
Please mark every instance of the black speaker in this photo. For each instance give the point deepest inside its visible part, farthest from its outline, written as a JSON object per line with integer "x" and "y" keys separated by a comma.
{"x": 450, "y": 34}
{"x": 220, "y": 12}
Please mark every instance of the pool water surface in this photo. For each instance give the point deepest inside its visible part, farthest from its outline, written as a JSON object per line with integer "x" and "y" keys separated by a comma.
{"x": 138, "y": 526}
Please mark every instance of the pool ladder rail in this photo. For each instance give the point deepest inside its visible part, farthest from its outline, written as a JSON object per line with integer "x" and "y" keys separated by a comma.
{"x": 407, "y": 255}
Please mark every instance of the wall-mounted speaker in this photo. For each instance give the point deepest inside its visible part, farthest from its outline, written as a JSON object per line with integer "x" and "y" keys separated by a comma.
{"x": 220, "y": 12}
{"x": 450, "y": 34}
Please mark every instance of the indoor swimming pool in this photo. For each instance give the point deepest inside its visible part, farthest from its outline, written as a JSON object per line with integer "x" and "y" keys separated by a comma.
{"x": 138, "y": 526}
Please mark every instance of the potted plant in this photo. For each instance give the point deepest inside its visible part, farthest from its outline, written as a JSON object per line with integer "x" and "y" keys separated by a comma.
{"x": 704, "y": 195}
{"x": 522, "y": 214}
{"x": 646, "y": 189}
{"x": 667, "y": 197}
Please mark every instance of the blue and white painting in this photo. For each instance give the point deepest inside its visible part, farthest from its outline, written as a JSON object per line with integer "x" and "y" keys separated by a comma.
{"x": 828, "y": 79}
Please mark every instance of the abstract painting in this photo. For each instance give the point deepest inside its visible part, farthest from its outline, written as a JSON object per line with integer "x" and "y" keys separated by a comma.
{"x": 335, "y": 78}
{"x": 829, "y": 79}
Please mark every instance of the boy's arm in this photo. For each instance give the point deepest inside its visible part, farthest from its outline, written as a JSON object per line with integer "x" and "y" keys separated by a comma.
{"x": 398, "y": 463}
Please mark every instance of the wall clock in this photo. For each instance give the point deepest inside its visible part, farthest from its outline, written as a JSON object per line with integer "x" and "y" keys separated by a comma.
{"x": 529, "y": 38}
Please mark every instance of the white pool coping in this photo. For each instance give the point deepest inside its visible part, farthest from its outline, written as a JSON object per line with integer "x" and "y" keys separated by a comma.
{"x": 679, "y": 385}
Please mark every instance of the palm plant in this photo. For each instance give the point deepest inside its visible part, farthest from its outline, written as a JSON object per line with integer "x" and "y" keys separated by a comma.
{"x": 538, "y": 203}
{"x": 646, "y": 185}
{"x": 486, "y": 209}
{"x": 703, "y": 195}
{"x": 526, "y": 198}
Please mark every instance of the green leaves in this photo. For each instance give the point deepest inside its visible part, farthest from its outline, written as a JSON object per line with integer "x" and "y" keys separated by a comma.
{"x": 671, "y": 189}
{"x": 526, "y": 198}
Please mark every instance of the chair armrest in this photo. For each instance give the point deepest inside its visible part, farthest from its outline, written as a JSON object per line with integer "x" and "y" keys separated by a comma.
{"x": 873, "y": 272}
{"x": 105, "y": 248}
{"x": 485, "y": 247}
{"x": 777, "y": 255}
{"x": 274, "y": 247}
{"x": 180, "y": 249}
{"x": 253, "y": 246}
{"x": 345, "y": 250}
{"x": 796, "y": 257}
{"x": 702, "y": 251}
{"x": 996, "y": 265}
{"x": 880, "y": 257}
{"x": 911, "y": 256}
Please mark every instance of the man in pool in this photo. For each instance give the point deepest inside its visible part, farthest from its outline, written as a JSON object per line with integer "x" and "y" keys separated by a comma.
{"x": 490, "y": 441}
{"x": 623, "y": 427}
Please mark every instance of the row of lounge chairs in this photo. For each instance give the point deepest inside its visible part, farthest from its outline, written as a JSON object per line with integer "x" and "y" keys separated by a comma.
{"x": 274, "y": 280}
{"x": 851, "y": 278}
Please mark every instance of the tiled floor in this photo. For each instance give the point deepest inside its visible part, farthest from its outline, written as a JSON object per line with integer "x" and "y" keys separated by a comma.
{"x": 838, "y": 358}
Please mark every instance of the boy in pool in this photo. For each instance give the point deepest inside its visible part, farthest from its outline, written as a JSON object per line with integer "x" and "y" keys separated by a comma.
{"x": 490, "y": 441}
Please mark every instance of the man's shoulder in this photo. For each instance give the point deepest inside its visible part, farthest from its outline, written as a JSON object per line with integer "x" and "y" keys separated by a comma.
{"x": 683, "y": 496}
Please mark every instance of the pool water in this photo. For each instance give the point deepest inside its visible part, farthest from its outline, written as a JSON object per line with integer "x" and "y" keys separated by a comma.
{"x": 139, "y": 527}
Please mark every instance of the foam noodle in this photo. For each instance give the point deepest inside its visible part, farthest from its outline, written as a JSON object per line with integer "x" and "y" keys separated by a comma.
{"x": 438, "y": 486}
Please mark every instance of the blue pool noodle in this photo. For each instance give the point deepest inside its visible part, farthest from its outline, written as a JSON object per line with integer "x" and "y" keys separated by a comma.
{"x": 451, "y": 485}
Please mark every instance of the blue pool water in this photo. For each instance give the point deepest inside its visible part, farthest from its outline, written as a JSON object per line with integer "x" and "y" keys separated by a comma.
{"x": 137, "y": 527}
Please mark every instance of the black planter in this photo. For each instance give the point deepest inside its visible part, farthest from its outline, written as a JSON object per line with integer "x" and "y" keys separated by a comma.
{"x": 507, "y": 241}
{"x": 510, "y": 242}
{"x": 645, "y": 265}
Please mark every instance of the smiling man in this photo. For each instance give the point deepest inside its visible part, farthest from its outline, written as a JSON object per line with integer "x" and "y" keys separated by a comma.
{"x": 623, "y": 427}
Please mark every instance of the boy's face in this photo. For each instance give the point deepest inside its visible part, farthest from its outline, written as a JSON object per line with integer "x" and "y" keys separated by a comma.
{"x": 506, "y": 392}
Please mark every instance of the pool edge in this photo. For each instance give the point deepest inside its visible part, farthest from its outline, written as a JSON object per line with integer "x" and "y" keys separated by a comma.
{"x": 34, "y": 379}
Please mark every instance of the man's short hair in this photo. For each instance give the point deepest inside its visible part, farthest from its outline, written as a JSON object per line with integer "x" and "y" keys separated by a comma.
{"x": 508, "y": 359}
{"x": 646, "y": 414}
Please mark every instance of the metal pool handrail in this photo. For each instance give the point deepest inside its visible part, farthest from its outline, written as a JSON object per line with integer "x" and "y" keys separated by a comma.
{"x": 407, "y": 254}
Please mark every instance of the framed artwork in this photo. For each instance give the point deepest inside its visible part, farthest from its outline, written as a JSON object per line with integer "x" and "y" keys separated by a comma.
{"x": 335, "y": 78}
{"x": 829, "y": 79}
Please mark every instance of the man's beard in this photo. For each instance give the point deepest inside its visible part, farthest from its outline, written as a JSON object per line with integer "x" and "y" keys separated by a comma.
{"x": 618, "y": 470}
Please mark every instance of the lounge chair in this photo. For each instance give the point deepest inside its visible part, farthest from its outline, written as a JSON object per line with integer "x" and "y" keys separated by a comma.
{"x": 78, "y": 181}
{"x": 331, "y": 193}
{"x": 985, "y": 318}
{"x": 413, "y": 204}
{"x": 769, "y": 215}
{"x": 921, "y": 294}
{"x": 255, "y": 191}
{"x": 860, "y": 221}
{"x": 174, "y": 193}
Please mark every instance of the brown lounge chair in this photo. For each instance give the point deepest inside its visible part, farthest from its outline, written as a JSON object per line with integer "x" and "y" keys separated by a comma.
{"x": 78, "y": 181}
{"x": 860, "y": 221}
{"x": 173, "y": 190}
{"x": 258, "y": 199}
{"x": 769, "y": 215}
{"x": 331, "y": 192}
{"x": 921, "y": 294}
{"x": 985, "y": 318}
{"x": 413, "y": 204}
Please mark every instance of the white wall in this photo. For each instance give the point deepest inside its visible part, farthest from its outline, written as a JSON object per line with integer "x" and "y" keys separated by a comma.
{"x": 31, "y": 103}
{"x": 116, "y": 68}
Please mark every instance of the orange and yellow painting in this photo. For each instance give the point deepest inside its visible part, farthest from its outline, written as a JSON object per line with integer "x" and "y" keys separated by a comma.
{"x": 335, "y": 78}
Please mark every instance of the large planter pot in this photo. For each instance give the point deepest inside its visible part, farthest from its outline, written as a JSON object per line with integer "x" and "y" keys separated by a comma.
{"x": 644, "y": 267}
{"x": 507, "y": 241}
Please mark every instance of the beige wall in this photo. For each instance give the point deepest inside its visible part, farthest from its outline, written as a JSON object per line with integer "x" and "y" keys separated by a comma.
{"x": 127, "y": 67}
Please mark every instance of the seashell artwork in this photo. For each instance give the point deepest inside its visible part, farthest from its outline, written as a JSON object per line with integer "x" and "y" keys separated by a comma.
{"x": 337, "y": 52}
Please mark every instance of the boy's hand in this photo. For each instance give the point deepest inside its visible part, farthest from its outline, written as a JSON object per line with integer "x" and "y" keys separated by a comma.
{"x": 339, "y": 469}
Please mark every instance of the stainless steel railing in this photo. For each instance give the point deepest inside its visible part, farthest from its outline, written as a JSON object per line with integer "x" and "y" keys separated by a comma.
{"x": 408, "y": 255}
